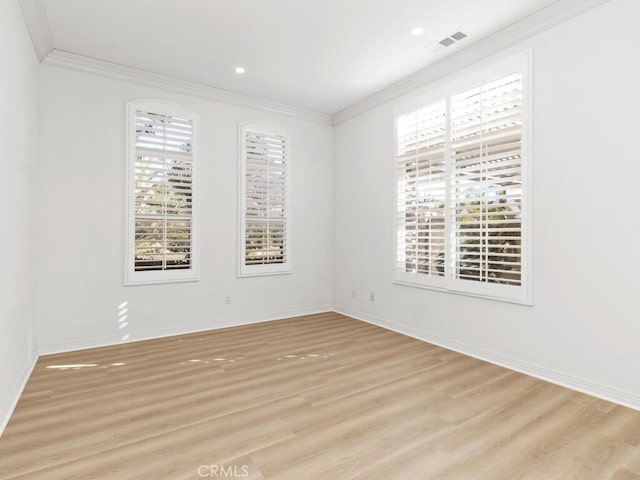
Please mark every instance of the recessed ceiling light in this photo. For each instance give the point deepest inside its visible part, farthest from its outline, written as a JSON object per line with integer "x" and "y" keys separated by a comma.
{"x": 240, "y": 70}
{"x": 416, "y": 32}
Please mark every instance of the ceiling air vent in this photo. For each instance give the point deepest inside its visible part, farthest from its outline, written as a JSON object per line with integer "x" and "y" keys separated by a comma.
{"x": 455, "y": 37}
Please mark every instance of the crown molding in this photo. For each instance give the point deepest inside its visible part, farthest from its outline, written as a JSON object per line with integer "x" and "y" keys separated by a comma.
{"x": 81, "y": 63}
{"x": 539, "y": 21}
{"x": 36, "y": 19}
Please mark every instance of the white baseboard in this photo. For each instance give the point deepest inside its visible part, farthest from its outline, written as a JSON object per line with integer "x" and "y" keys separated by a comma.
{"x": 11, "y": 400}
{"x": 582, "y": 385}
{"x": 96, "y": 342}
{"x": 588, "y": 387}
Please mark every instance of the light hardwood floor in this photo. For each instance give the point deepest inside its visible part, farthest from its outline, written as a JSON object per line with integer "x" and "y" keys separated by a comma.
{"x": 317, "y": 397}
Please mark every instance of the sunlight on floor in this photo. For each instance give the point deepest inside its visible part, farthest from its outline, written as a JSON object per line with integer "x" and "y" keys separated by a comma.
{"x": 76, "y": 366}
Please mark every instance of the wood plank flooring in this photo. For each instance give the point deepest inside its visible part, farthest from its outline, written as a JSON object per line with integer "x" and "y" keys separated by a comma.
{"x": 317, "y": 397}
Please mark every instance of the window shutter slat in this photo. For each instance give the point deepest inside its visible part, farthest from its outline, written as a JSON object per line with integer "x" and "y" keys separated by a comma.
{"x": 459, "y": 198}
{"x": 486, "y": 129}
{"x": 420, "y": 226}
{"x": 265, "y": 203}
{"x": 163, "y": 187}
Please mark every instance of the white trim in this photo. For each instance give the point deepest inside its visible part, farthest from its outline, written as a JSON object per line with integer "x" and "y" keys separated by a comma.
{"x": 13, "y": 396}
{"x": 488, "y": 293}
{"x": 97, "y": 342}
{"x": 588, "y": 387}
{"x": 539, "y": 21}
{"x": 84, "y": 64}
{"x": 526, "y": 165}
{"x": 133, "y": 277}
{"x": 578, "y": 384}
{"x": 285, "y": 268}
{"x": 35, "y": 17}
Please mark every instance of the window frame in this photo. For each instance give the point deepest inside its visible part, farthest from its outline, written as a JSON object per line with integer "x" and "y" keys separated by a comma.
{"x": 446, "y": 89}
{"x": 285, "y": 268}
{"x": 150, "y": 277}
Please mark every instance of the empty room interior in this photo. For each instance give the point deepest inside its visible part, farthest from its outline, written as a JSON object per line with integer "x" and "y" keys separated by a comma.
{"x": 339, "y": 239}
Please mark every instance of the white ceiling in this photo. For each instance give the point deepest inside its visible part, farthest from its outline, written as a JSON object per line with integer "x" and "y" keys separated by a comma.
{"x": 321, "y": 55}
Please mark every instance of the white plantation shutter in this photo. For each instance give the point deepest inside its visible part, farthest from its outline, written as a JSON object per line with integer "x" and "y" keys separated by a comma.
{"x": 461, "y": 196}
{"x": 161, "y": 168}
{"x": 264, "y": 192}
{"x": 421, "y": 187}
{"x": 486, "y": 148}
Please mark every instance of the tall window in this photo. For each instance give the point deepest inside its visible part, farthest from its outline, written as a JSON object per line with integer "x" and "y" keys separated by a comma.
{"x": 264, "y": 178}
{"x": 161, "y": 163}
{"x": 461, "y": 216}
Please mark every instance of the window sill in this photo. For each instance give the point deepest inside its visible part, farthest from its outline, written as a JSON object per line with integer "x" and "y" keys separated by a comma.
{"x": 129, "y": 282}
{"x": 524, "y": 299}
{"x": 263, "y": 274}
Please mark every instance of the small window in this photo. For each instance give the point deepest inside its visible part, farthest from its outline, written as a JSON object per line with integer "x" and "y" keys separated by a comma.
{"x": 264, "y": 194}
{"x": 162, "y": 157}
{"x": 461, "y": 203}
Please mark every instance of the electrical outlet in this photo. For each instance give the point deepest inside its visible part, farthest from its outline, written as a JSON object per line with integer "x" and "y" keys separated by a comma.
{"x": 353, "y": 294}
{"x": 372, "y": 296}
{"x": 227, "y": 300}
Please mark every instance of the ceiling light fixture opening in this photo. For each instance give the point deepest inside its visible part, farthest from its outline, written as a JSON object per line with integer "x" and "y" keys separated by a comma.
{"x": 240, "y": 70}
{"x": 417, "y": 31}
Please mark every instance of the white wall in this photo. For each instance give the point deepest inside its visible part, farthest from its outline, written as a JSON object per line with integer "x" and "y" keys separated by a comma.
{"x": 584, "y": 327}
{"x": 81, "y": 243}
{"x": 18, "y": 154}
